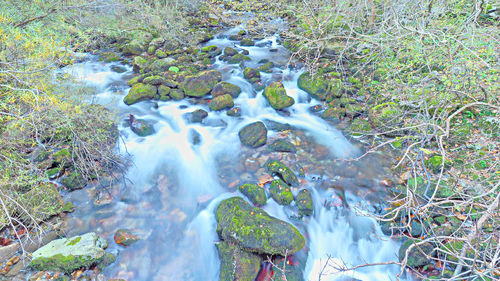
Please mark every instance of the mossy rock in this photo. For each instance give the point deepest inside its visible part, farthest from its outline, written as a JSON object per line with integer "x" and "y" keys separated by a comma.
{"x": 73, "y": 181}
{"x": 234, "y": 112}
{"x": 416, "y": 257}
{"x": 135, "y": 80}
{"x": 68, "y": 255}
{"x": 281, "y": 192}
{"x": 62, "y": 157}
{"x": 221, "y": 102}
{"x": 267, "y": 67}
{"x": 139, "y": 63}
{"x": 155, "y": 80}
{"x": 196, "y": 116}
{"x": 162, "y": 65}
{"x": 208, "y": 49}
{"x": 255, "y": 193}
{"x": 237, "y": 264}
{"x": 253, "y": 134}
{"x": 251, "y": 74}
{"x": 318, "y": 87}
{"x": 140, "y": 92}
{"x": 161, "y": 54}
{"x": 223, "y": 88}
{"x": 333, "y": 113}
{"x": 277, "y": 97}
{"x": 202, "y": 83}
{"x": 254, "y": 230}
{"x": 142, "y": 127}
{"x": 275, "y": 167}
{"x": 163, "y": 92}
{"x": 247, "y": 42}
{"x": 304, "y": 202}
{"x": 109, "y": 57}
{"x": 229, "y": 52}
{"x": 282, "y": 146}
{"x": 133, "y": 48}
{"x": 237, "y": 58}
{"x": 177, "y": 94}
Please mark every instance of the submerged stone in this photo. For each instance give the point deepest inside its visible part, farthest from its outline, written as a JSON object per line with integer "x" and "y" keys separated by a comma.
{"x": 282, "y": 146}
{"x": 255, "y": 193}
{"x": 237, "y": 264}
{"x": 125, "y": 237}
{"x": 67, "y": 255}
{"x": 277, "y": 168}
{"x": 281, "y": 192}
{"x": 254, "y": 230}
{"x": 253, "y": 134}
{"x": 277, "y": 97}
{"x": 202, "y": 83}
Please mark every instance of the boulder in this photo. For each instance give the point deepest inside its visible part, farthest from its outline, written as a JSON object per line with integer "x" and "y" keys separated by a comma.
{"x": 304, "y": 202}
{"x": 162, "y": 65}
{"x": 251, "y": 74}
{"x": 177, "y": 94}
{"x": 319, "y": 88}
{"x": 221, "y": 102}
{"x": 109, "y": 57}
{"x": 141, "y": 127}
{"x": 282, "y": 146}
{"x": 247, "y": 42}
{"x": 237, "y": 264}
{"x": 228, "y": 51}
{"x": 254, "y": 230}
{"x": 267, "y": 67}
{"x": 286, "y": 174}
{"x": 277, "y": 97}
{"x": 163, "y": 92}
{"x": 223, "y": 88}
{"x": 281, "y": 192}
{"x": 202, "y": 83}
{"x": 234, "y": 112}
{"x": 67, "y": 255}
{"x": 140, "y": 92}
{"x": 253, "y": 134}
{"x": 154, "y": 80}
{"x": 139, "y": 63}
{"x": 196, "y": 116}
{"x": 237, "y": 58}
{"x": 255, "y": 193}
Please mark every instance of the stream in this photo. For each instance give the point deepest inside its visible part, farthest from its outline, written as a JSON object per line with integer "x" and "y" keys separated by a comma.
{"x": 180, "y": 173}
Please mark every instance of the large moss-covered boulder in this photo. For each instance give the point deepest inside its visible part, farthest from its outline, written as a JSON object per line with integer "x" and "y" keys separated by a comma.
{"x": 67, "y": 255}
{"x": 318, "y": 87}
{"x": 140, "y": 92}
{"x": 253, "y": 134}
{"x": 237, "y": 264}
{"x": 237, "y": 58}
{"x": 277, "y": 97}
{"x": 223, "y": 88}
{"x": 281, "y": 192}
{"x": 221, "y": 102}
{"x": 304, "y": 202}
{"x": 286, "y": 174}
{"x": 255, "y": 193}
{"x": 251, "y": 74}
{"x": 254, "y": 230}
{"x": 202, "y": 83}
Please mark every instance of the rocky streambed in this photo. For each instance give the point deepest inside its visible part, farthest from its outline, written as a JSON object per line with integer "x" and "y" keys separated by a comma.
{"x": 240, "y": 171}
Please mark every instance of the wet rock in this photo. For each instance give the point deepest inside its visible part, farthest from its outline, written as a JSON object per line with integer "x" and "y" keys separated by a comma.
{"x": 163, "y": 92}
{"x": 140, "y": 92}
{"x": 277, "y": 97}
{"x": 304, "y": 202}
{"x": 282, "y": 146}
{"x": 237, "y": 58}
{"x": 202, "y": 83}
{"x": 109, "y": 57}
{"x": 237, "y": 264}
{"x": 281, "y": 192}
{"x": 247, "y": 42}
{"x": 254, "y": 230}
{"x": 417, "y": 256}
{"x": 267, "y": 67}
{"x": 196, "y": 116}
{"x": 234, "y": 112}
{"x": 194, "y": 137}
{"x": 228, "y": 51}
{"x": 251, "y": 74}
{"x": 253, "y": 134}
{"x": 140, "y": 127}
{"x": 67, "y": 255}
{"x": 125, "y": 237}
{"x": 223, "y": 88}
{"x": 176, "y": 94}
{"x": 255, "y": 193}
{"x": 221, "y": 102}
{"x": 277, "y": 168}
{"x": 154, "y": 80}
{"x": 318, "y": 87}
{"x": 276, "y": 126}
{"x": 118, "y": 69}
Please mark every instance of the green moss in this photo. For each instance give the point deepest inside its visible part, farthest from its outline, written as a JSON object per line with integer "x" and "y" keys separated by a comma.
{"x": 282, "y": 146}
{"x": 277, "y": 168}
{"x": 109, "y": 57}
{"x": 237, "y": 264}
{"x": 267, "y": 67}
{"x": 237, "y": 58}
{"x": 318, "y": 87}
{"x": 202, "y": 83}
{"x": 253, "y": 135}
{"x": 277, "y": 97}
{"x": 209, "y": 49}
{"x": 281, "y": 192}
{"x": 221, "y": 102}
{"x": 255, "y": 193}
{"x": 140, "y": 92}
{"x": 223, "y": 88}
{"x": 74, "y": 241}
{"x": 247, "y": 42}
{"x": 304, "y": 202}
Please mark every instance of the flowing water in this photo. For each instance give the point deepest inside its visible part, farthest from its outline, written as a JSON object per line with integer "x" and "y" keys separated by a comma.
{"x": 172, "y": 188}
